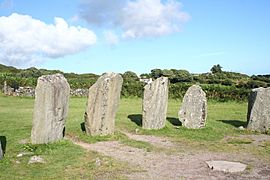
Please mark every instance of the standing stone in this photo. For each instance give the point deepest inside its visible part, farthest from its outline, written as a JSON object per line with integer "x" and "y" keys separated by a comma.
{"x": 193, "y": 112}
{"x": 1, "y": 151}
{"x": 258, "y": 117}
{"x": 50, "y": 109}
{"x": 5, "y": 88}
{"x": 102, "y": 104}
{"x": 155, "y": 102}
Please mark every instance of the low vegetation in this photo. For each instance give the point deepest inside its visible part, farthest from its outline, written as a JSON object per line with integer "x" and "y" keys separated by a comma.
{"x": 219, "y": 85}
{"x": 63, "y": 159}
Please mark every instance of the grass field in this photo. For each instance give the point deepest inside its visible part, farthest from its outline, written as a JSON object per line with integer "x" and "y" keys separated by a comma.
{"x": 65, "y": 160}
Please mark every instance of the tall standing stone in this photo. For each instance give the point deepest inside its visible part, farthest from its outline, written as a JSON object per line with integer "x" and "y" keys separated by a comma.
{"x": 5, "y": 88}
{"x": 1, "y": 151}
{"x": 102, "y": 104}
{"x": 193, "y": 111}
{"x": 155, "y": 102}
{"x": 50, "y": 109}
{"x": 258, "y": 116}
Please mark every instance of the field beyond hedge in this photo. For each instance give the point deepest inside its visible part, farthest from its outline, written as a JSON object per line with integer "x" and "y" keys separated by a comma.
{"x": 64, "y": 160}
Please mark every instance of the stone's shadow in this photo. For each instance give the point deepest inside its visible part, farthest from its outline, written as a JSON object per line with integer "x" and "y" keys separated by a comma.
{"x": 64, "y": 131}
{"x": 83, "y": 127}
{"x": 136, "y": 118}
{"x": 3, "y": 141}
{"x": 174, "y": 121}
{"x": 235, "y": 123}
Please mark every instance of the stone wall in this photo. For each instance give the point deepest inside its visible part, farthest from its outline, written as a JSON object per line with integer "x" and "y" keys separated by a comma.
{"x": 79, "y": 92}
{"x": 30, "y": 92}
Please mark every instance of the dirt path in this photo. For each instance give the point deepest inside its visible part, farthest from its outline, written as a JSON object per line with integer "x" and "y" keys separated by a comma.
{"x": 158, "y": 165}
{"x": 154, "y": 140}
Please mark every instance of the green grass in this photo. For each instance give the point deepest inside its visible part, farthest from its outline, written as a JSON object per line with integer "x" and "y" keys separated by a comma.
{"x": 65, "y": 160}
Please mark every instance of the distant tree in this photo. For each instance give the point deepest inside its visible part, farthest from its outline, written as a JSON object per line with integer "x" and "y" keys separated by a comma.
{"x": 156, "y": 73}
{"x": 167, "y": 73}
{"x": 216, "y": 69}
{"x": 180, "y": 76}
{"x": 30, "y": 72}
{"x": 129, "y": 75}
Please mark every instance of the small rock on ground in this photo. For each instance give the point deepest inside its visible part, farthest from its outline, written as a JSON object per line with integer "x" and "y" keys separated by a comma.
{"x": 36, "y": 159}
{"x": 24, "y": 154}
{"x": 226, "y": 166}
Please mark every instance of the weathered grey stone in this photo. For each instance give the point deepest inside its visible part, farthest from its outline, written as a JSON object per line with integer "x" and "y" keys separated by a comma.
{"x": 50, "y": 109}
{"x": 258, "y": 116}
{"x": 102, "y": 104}
{"x": 226, "y": 166}
{"x": 25, "y": 91}
{"x": 193, "y": 111}
{"x": 5, "y": 88}
{"x": 36, "y": 159}
{"x": 1, "y": 151}
{"x": 155, "y": 102}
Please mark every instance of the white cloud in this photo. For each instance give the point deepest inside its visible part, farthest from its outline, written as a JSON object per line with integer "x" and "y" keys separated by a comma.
{"x": 110, "y": 37}
{"x": 152, "y": 18}
{"x": 136, "y": 18}
{"x": 24, "y": 40}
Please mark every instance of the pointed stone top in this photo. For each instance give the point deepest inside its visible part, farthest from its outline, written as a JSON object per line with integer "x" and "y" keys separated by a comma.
{"x": 109, "y": 75}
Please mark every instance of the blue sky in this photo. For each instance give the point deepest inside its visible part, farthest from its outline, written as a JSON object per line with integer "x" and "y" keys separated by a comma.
{"x": 138, "y": 35}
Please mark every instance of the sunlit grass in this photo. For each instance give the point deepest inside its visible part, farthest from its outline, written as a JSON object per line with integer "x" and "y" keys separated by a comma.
{"x": 66, "y": 160}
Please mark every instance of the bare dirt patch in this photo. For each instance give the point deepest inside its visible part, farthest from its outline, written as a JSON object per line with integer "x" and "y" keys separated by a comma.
{"x": 187, "y": 165}
{"x": 154, "y": 140}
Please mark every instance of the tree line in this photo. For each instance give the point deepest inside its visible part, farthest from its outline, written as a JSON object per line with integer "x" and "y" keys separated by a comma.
{"x": 218, "y": 84}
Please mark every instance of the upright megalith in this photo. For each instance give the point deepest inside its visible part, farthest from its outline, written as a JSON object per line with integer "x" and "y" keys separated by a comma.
{"x": 155, "y": 102}
{"x": 258, "y": 117}
{"x": 1, "y": 151}
{"x": 50, "y": 109}
{"x": 193, "y": 111}
{"x": 102, "y": 104}
{"x": 5, "y": 88}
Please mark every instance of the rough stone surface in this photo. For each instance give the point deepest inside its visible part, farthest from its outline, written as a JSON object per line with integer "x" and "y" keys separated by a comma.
{"x": 226, "y": 166}
{"x": 79, "y": 92}
{"x": 5, "y": 88}
{"x": 155, "y": 102}
{"x": 102, "y": 104}
{"x": 1, "y": 152}
{"x": 258, "y": 116}
{"x": 50, "y": 109}
{"x": 36, "y": 159}
{"x": 193, "y": 111}
{"x": 24, "y": 91}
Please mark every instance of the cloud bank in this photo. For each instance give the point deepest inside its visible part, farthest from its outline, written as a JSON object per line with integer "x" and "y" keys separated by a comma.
{"x": 26, "y": 41}
{"x": 135, "y": 18}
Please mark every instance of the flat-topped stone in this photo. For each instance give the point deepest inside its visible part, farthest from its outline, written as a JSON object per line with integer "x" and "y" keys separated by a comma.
{"x": 258, "y": 117}
{"x": 226, "y": 166}
{"x": 155, "y": 102}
